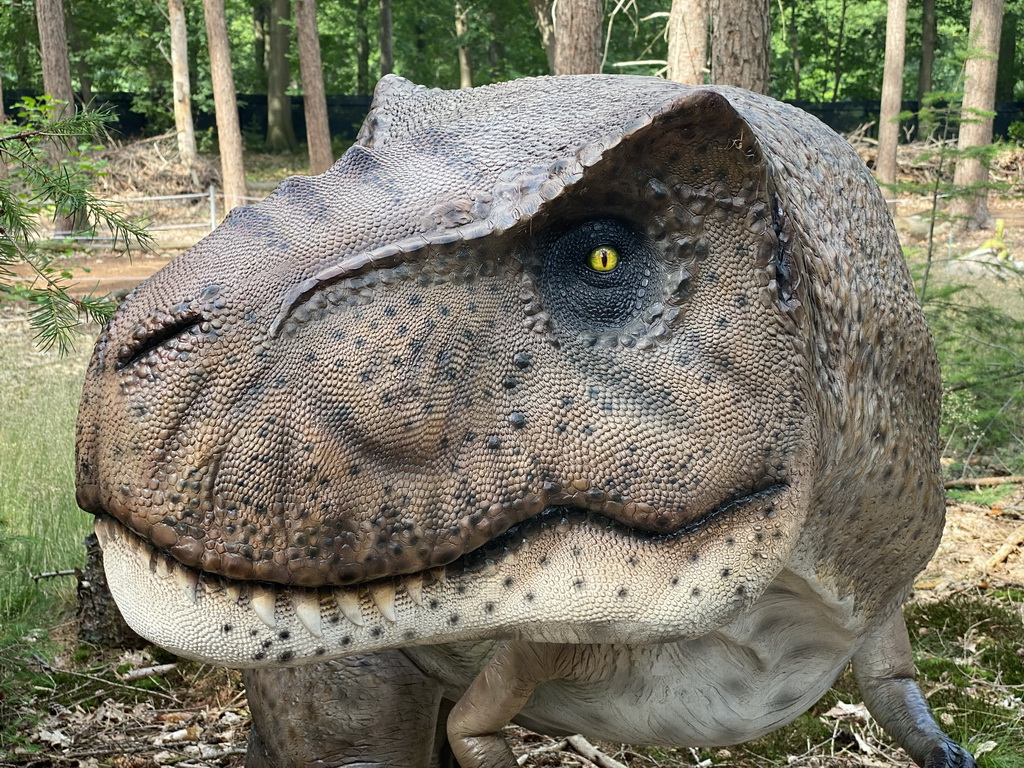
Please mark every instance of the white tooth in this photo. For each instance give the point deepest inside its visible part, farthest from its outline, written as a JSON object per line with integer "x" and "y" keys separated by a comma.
{"x": 234, "y": 592}
{"x": 383, "y": 596}
{"x": 307, "y": 608}
{"x": 414, "y": 584}
{"x": 348, "y": 604}
{"x": 160, "y": 565}
{"x": 188, "y": 580}
{"x": 103, "y": 532}
{"x": 264, "y": 604}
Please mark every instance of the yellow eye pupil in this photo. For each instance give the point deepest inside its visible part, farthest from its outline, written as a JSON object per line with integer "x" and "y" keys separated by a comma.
{"x": 603, "y": 259}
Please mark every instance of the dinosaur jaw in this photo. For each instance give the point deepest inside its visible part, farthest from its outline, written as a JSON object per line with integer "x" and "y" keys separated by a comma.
{"x": 566, "y": 576}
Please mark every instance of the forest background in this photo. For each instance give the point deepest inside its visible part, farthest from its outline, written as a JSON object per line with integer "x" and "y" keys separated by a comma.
{"x": 822, "y": 51}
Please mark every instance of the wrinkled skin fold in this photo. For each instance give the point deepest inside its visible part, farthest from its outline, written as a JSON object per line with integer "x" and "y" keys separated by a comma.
{"x": 601, "y": 404}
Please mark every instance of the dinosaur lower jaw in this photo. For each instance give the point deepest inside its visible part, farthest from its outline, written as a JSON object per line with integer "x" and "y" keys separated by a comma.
{"x": 567, "y": 576}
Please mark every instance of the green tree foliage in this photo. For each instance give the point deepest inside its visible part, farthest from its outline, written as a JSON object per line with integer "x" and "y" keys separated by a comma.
{"x": 974, "y": 303}
{"x": 833, "y": 37}
{"x": 840, "y": 46}
{"x": 34, "y": 189}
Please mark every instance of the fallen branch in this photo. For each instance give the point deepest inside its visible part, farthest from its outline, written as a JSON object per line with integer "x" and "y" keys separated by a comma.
{"x": 51, "y": 574}
{"x": 157, "y": 670}
{"x": 967, "y": 482}
{"x": 558, "y": 746}
{"x": 1013, "y": 541}
{"x": 47, "y": 667}
{"x": 592, "y": 753}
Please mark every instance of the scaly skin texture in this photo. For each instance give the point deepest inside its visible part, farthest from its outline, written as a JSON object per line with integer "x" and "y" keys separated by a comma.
{"x": 603, "y": 404}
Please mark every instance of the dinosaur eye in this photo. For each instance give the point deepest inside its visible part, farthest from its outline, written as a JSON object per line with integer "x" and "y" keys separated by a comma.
{"x": 604, "y": 258}
{"x": 597, "y": 274}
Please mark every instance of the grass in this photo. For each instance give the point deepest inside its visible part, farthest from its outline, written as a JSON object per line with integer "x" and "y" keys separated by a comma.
{"x": 983, "y": 496}
{"x": 41, "y": 528}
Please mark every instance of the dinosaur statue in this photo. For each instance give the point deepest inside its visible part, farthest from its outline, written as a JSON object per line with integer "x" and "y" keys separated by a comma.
{"x": 601, "y": 404}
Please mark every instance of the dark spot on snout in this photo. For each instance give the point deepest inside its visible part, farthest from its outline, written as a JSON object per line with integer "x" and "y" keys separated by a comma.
{"x": 522, "y": 360}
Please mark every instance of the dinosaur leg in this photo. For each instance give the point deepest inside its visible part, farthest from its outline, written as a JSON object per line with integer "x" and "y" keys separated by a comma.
{"x": 885, "y": 673}
{"x": 362, "y": 712}
{"x": 504, "y": 686}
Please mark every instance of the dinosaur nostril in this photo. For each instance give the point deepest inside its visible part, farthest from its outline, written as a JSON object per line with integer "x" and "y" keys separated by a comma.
{"x": 153, "y": 333}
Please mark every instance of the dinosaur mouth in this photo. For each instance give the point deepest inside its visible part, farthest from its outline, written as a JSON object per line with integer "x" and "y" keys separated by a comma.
{"x": 563, "y": 576}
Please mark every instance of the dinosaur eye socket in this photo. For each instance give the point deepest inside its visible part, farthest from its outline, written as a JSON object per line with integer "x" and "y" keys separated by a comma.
{"x": 597, "y": 274}
{"x": 604, "y": 258}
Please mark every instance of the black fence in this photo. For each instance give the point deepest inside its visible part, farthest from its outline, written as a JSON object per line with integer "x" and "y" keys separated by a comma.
{"x": 346, "y": 113}
{"x": 848, "y": 116}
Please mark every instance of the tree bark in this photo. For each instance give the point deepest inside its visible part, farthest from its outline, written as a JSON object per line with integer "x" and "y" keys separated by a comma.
{"x": 543, "y": 13}
{"x": 260, "y": 12}
{"x": 794, "y": 47}
{"x": 318, "y": 134}
{"x": 387, "y": 56}
{"x": 280, "y": 128}
{"x": 928, "y": 33}
{"x": 688, "y": 41}
{"x": 3, "y": 112}
{"x": 840, "y": 39}
{"x": 740, "y": 40}
{"x": 461, "y": 27}
{"x": 229, "y": 135}
{"x": 979, "y": 97}
{"x": 53, "y": 47}
{"x": 362, "y": 49}
{"x": 578, "y": 26}
{"x": 892, "y": 91}
{"x": 183, "y": 124}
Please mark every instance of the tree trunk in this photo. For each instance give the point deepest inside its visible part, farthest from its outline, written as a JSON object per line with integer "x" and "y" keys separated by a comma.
{"x": 461, "y": 27}
{"x": 280, "y": 129}
{"x": 688, "y": 41}
{"x": 182, "y": 90}
{"x": 53, "y": 47}
{"x": 229, "y": 135}
{"x": 979, "y": 97}
{"x": 740, "y": 41}
{"x": 928, "y": 33}
{"x": 794, "y": 47}
{"x": 840, "y": 38}
{"x": 892, "y": 91}
{"x": 543, "y": 13}
{"x": 362, "y": 50}
{"x": 578, "y": 25}
{"x": 318, "y": 134}
{"x": 3, "y": 112}
{"x": 387, "y": 56}
{"x": 260, "y": 13}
